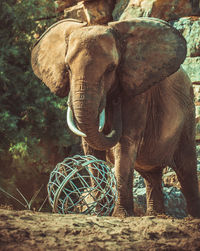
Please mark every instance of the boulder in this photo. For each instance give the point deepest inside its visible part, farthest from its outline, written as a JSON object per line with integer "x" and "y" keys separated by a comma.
{"x": 166, "y": 10}
{"x": 76, "y": 12}
{"x": 170, "y": 178}
{"x": 98, "y": 12}
{"x": 92, "y": 12}
{"x": 174, "y": 202}
{"x": 61, "y": 5}
{"x": 120, "y": 6}
{"x": 196, "y": 89}
{"x": 190, "y": 29}
{"x": 192, "y": 65}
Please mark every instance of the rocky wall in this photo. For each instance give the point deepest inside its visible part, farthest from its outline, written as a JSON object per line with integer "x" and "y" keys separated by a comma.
{"x": 167, "y": 10}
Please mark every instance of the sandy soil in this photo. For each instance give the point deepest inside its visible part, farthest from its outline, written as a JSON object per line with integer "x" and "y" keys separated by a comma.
{"x": 27, "y": 230}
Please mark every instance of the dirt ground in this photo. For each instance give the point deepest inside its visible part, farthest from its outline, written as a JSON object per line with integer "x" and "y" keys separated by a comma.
{"x": 27, "y": 230}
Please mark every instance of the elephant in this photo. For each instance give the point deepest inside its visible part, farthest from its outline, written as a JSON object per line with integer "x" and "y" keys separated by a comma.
{"x": 129, "y": 99}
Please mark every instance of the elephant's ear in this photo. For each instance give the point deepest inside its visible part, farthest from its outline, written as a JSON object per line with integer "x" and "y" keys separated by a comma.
{"x": 151, "y": 51}
{"x": 48, "y": 56}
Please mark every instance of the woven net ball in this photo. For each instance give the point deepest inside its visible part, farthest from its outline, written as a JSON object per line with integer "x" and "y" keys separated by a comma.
{"x": 82, "y": 184}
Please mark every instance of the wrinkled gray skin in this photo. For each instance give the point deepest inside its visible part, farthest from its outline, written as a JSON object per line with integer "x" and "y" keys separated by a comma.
{"x": 132, "y": 69}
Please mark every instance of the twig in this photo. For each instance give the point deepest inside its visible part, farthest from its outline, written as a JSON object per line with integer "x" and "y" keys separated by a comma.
{"x": 35, "y": 195}
{"x": 42, "y": 204}
{"x": 1, "y": 189}
{"x": 27, "y": 204}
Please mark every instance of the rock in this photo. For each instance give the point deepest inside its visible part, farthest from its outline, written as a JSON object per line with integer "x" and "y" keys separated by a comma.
{"x": 174, "y": 202}
{"x": 197, "y": 136}
{"x": 120, "y": 6}
{"x": 191, "y": 66}
{"x": 170, "y": 179}
{"x": 166, "y": 10}
{"x": 190, "y": 29}
{"x": 196, "y": 88}
{"x": 61, "y": 5}
{"x": 198, "y": 156}
{"x": 92, "y": 12}
{"x": 99, "y": 12}
{"x": 139, "y": 195}
{"x": 76, "y": 12}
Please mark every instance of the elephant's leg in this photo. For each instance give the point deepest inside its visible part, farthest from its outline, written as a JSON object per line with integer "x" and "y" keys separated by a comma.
{"x": 186, "y": 170}
{"x": 154, "y": 193}
{"x": 124, "y": 159}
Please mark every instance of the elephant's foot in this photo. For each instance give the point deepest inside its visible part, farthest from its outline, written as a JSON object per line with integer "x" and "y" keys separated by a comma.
{"x": 151, "y": 212}
{"x": 194, "y": 208}
{"x": 121, "y": 212}
{"x": 155, "y": 207}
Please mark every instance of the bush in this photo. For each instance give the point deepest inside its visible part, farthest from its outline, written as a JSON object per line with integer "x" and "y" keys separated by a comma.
{"x": 33, "y": 131}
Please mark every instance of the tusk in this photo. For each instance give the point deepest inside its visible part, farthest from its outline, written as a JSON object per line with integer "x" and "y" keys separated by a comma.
{"x": 71, "y": 124}
{"x": 101, "y": 120}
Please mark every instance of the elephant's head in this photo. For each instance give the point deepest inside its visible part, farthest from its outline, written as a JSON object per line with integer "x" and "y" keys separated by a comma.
{"x": 94, "y": 61}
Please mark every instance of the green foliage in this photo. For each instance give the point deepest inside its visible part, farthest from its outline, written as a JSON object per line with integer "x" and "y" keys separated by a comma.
{"x": 33, "y": 132}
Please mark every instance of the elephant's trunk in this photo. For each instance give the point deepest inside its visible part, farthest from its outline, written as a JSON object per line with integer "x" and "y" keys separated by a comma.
{"x": 85, "y": 105}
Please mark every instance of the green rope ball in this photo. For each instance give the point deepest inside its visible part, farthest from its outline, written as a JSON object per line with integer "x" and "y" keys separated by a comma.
{"x": 82, "y": 184}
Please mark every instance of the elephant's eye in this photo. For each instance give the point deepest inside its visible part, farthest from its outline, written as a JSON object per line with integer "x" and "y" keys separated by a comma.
{"x": 110, "y": 68}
